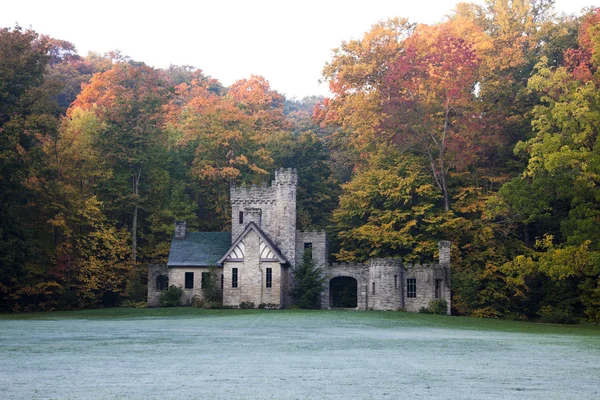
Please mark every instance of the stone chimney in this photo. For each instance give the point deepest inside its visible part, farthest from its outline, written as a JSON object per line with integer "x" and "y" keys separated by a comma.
{"x": 180, "y": 230}
{"x": 444, "y": 249}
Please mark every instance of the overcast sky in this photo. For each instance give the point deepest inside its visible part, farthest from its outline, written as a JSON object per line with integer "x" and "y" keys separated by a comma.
{"x": 286, "y": 42}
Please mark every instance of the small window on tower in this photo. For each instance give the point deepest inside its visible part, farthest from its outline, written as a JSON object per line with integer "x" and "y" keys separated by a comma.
{"x": 308, "y": 248}
{"x": 241, "y": 217}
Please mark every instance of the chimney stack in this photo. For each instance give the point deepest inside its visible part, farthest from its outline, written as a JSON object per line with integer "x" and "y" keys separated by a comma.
{"x": 180, "y": 230}
{"x": 444, "y": 249}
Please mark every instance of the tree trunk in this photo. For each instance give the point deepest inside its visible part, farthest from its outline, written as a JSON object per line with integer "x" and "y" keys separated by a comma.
{"x": 136, "y": 196}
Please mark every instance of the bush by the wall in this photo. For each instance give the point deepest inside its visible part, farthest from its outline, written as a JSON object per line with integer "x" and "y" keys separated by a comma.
{"x": 171, "y": 297}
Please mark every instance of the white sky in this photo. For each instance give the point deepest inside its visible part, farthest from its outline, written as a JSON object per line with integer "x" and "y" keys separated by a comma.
{"x": 286, "y": 42}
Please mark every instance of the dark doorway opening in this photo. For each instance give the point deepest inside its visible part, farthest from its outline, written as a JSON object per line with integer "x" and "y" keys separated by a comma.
{"x": 343, "y": 292}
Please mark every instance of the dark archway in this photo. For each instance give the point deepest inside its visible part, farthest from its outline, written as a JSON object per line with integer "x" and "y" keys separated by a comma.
{"x": 343, "y": 292}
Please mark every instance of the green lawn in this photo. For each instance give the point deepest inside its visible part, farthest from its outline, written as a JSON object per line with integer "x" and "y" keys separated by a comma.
{"x": 223, "y": 354}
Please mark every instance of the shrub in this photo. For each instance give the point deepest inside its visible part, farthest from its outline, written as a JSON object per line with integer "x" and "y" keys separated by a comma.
{"x": 211, "y": 286}
{"x": 556, "y": 315}
{"x": 268, "y": 306}
{"x": 133, "y": 304}
{"x": 247, "y": 305}
{"x": 171, "y": 297}
{"x": 438, "y": 306}
{"x": 197, "y": 302}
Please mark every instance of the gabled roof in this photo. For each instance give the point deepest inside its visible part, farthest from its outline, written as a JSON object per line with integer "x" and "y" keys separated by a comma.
{"x": 253, "y": 227}
{"x": 199, "y": 249}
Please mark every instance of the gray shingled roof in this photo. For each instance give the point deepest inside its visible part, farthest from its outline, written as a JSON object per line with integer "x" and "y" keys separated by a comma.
{"x": 199, "y": 249}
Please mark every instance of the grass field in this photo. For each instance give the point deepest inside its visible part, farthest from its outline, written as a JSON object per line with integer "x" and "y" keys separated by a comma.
{"x": 188, "y": 353}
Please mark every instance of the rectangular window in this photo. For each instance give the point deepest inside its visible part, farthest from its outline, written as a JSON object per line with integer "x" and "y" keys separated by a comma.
{"x": 222, "y": 281}
{"x": 234, "y": 277}
{"x": 189, "y": 280}
{"x": 241, "y": 217}
{"x": 269, "y": 277}
{"x": 395, "y": 281}
{"x": 438, "y": 288}
{"x": 308, "y": 248}
{"x": 373, "y": 288}
{"x": 205, "y": 278}
{"x": 411, "y": 287}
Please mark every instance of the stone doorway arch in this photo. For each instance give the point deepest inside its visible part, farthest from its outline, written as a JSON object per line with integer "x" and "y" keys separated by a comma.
{"x": 351, "y": 273}
{"x": 343, "y": 292}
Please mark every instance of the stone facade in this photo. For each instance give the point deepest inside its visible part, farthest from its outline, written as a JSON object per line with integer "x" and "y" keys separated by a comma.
{"x": 158, "y": 280}
{"x": 266, "y": 248}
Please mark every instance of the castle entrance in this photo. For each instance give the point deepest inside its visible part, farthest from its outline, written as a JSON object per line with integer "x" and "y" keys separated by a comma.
{"x": 343, "y": 292}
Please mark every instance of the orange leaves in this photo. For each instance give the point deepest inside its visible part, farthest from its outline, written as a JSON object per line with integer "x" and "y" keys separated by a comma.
{"x": 228, "y": 133}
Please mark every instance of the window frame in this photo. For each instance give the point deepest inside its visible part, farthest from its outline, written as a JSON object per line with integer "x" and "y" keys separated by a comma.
{"x": 189, "y": 280}
{"x": 234, "y": 278}
{"x": 438, "y": 288}
{"x": 269, "y": 278}
{"x": 411, "y": 288}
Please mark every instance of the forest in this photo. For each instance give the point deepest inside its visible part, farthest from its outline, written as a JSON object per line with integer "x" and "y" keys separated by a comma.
{"x": 481, "y": 129}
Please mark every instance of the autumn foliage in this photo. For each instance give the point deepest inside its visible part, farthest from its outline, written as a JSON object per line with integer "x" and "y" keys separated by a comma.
{"x": 481, "y": 129}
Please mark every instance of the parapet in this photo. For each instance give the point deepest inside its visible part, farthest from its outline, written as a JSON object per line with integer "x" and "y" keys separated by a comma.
{"x": 385, "y": 262}
{"x": 421, "y": 266}
{"x": 285, "y": 176}
{"x": 346, "y": 265}
{"x": 252, "y": 194}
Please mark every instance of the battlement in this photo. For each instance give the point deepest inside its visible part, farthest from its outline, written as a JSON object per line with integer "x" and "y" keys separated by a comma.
{"x": 313, "y": 232}
{"x": 252, "y": 194}
{"x": 420, "y": 266}
{"x": 346, "y": 265}
{"x": 285, "y": 176}
{"x": 385, "y": 262}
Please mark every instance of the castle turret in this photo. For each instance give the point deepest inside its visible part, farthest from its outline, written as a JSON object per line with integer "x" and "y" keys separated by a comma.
{"x": 285, "y": 182}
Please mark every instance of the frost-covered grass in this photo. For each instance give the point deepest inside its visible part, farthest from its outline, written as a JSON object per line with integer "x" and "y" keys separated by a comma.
{"x": 187, "y": 353}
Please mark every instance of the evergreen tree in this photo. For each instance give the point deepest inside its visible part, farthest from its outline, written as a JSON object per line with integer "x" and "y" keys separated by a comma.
{"x": 309, "y": 283}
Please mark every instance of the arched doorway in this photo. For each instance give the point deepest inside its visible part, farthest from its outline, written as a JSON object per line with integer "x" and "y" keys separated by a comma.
{"x": 343, "y": 292}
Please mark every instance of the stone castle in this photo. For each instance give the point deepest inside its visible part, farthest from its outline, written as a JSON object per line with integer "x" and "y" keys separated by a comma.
{"x": 257, "y": 259}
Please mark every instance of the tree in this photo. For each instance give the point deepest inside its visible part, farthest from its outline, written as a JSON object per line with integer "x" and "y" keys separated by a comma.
{"x": 309, "y": 283}
{"x": 388, "y": 210}
{"x": 128, "y": 99}
{"x": 430, "y": 105}
{"x": 556, "y": 197}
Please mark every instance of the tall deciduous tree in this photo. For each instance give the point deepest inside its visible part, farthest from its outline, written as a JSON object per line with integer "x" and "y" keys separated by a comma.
{"x": 430, "y": 101}
{"x": 128, "y": 99}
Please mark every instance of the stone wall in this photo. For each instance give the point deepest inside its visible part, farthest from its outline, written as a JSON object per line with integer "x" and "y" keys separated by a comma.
{"x": 272, "y": 208}
{"x": 425, "y": 276}
{"x": 251, "y": 277}
{"x": 244, "y": 199}
{"x": 177, "y": 278}
{"x": 384, "y": 284}
{"x": 154, "y": 271}
{"x": 351, "y": 270}
{"x": 320, "y": 249}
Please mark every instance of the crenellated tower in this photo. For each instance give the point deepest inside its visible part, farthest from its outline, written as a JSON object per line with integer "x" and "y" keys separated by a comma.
{"x": 272, "y": 208}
